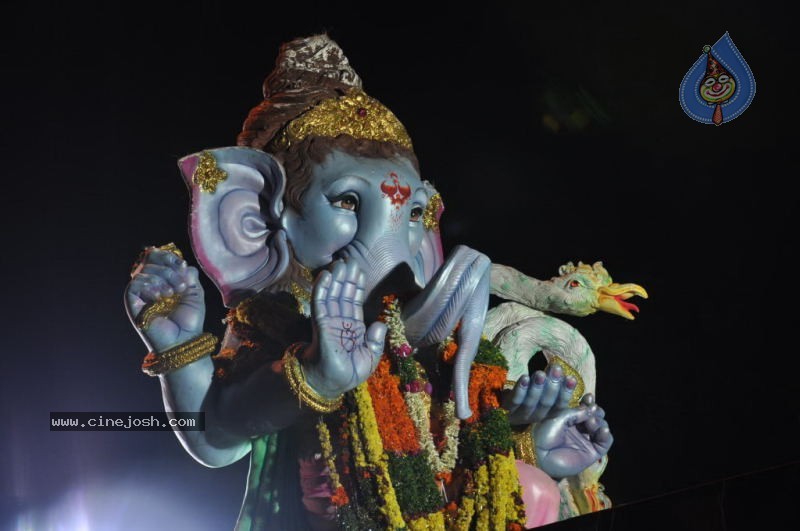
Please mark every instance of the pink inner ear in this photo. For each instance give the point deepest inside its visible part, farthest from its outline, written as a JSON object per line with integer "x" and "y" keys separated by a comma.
{"x": 187, "y": 166}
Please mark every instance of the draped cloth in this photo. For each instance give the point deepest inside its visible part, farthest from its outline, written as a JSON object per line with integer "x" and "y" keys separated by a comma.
{"x": 273, "y": 499}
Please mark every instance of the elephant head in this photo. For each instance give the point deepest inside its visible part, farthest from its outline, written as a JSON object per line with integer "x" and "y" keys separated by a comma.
{"x": 370, "y": 210}
{"x": 374, "y": 210}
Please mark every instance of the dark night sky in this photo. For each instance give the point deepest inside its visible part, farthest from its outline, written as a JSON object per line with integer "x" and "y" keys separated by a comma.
{"x": 98, "y": 104}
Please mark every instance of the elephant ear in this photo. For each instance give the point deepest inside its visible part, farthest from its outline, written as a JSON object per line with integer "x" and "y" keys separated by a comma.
{"x": 431, "y": 255}
{"x": 234, "y": 224}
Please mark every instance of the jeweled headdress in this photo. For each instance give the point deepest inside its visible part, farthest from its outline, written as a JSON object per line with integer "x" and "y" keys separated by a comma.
{"x": 313, "y": 91}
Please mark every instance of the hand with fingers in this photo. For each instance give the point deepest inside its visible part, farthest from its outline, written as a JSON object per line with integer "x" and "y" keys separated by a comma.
{"x": 570, "y": 440}
{"x": 343, "y": 351}
{"x": 535, "y": 398}
{"x": 164, "y": 300}
{"x": 567, "y": 440}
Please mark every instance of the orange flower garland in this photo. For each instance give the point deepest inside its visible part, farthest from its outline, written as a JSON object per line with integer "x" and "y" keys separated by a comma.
{"x": 398, "y": 470}
{"x": 485, "y": 384}
{"x": 394, "y": 424}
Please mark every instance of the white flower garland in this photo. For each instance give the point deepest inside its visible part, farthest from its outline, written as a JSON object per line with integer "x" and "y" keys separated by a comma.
{"x": 418, "y": 403}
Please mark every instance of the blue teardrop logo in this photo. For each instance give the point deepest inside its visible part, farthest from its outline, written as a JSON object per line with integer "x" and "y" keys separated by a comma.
{"x": 719, "y": 86}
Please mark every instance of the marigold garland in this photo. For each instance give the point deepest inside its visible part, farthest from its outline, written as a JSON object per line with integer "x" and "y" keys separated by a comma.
{"x": 358, "y": 448}
{"x": 502, "y": 490}
{"x": 466, "y": 512}
{"x": 485, "y": 383}
{"x": 418, "y": 404}
{"x": 377, "y": 458}
{"x": 339, "y": 497}
{"x": 419, "y": 409}
{"x": 396, "y": 429}
{"x": 431, "y": 522}
{"x": 449, "y": 350}
{"x": 400, "y": 471}
{"x": 481, "y": 500}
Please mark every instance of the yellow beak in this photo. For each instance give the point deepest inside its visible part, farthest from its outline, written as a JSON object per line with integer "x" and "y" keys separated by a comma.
{"x": 612, "y": 299}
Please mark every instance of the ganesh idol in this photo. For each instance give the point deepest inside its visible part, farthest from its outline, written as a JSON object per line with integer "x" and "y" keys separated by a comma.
{"x": 361, "y": 370}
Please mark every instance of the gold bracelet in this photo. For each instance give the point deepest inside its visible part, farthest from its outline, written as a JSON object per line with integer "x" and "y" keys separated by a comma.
{"x": 179, "y": 356}
{"x": 524, "y": 448}
{"x": 297, "y": 383}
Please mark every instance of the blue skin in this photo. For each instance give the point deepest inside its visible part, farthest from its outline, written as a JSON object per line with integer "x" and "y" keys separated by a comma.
{"x": 567, "y": 439}
{"x": 350, "y": 230}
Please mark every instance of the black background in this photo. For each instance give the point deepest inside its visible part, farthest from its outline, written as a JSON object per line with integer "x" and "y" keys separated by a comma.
{"x": 553, "y": 134}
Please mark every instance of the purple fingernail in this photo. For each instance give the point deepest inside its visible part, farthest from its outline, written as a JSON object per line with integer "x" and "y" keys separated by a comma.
{"x": 525, "y": 381}
{"x": 571, "y": 383}
{"x": 538, "y": 378}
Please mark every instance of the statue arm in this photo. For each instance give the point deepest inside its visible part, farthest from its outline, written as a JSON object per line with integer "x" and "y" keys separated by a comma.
{"x": 190, "y": 389}
{"x": 235, "y": 412}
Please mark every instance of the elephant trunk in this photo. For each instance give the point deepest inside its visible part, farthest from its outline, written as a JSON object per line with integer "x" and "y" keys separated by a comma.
{"x": 458, "y": 292}
{"x": 388, "y": 269}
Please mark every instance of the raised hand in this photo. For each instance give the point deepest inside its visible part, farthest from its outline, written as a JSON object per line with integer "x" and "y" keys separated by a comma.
{"x": 344, "y": 352}
{"x": 569, "y": 440}
{"x": 535, "y": 398}
{"x": 166, "y": 280}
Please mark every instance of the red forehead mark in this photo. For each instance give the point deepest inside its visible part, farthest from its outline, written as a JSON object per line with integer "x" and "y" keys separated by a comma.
{"x": 397, "y": 193}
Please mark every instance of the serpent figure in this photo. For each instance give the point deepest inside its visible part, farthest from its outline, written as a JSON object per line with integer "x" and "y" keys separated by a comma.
{"x": 522, "y": 328}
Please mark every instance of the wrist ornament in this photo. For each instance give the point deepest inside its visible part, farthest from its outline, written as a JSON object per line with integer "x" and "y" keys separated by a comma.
{"x": 293, "y": 372}
{"x": 524, "y": 447}
{"x": 157, "y": 364}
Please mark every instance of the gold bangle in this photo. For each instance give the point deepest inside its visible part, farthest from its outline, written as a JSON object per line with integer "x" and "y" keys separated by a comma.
{"x": 297, "y": 383}
{"x": 164, "y": 362}
{"x": 524, "y": 448}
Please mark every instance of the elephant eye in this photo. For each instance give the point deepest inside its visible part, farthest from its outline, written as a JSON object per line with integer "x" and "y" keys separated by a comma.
{"x": 416, "y": 213}
{"x": 346, "y": 201}
{"x": 574, "y": 284}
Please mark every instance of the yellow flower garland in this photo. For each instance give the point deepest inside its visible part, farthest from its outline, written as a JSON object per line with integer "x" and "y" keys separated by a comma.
{"x": 358, "y": 448}
{"x": 378, "y": 458}
{"x": 466, "y": 510}
{"x": 431, "y": 522}
{"x": 497, "y": 496}
{"x": 490, "y": 497}
{"x": 481, "y": 502}
{"x": 494, "y": 498}
{"x": 327, "y": 453}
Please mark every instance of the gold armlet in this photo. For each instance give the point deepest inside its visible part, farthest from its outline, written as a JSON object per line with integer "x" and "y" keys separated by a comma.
{"x": 297, "y": 383}
{"x": 156, "y": 364}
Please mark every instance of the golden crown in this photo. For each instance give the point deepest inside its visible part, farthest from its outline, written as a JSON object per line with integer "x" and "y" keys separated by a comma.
{"x": 355, "y": 114}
